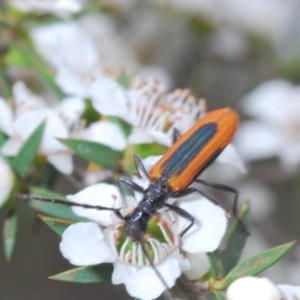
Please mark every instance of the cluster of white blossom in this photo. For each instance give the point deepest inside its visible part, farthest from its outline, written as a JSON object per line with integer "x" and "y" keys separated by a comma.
{"x": 148, "y": 107}
{"x": 87, "y": 54}
{"x": 89, "y": 244}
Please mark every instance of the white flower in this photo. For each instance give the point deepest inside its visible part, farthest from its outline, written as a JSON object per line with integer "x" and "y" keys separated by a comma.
{"x": 152, "y": 111}
{"x": 7, "y": 180}
{"x": 27, "y": 113}
{"x": 289, "y": 292}
{"x": 275, "y": 132}
{"x": 106, "y": 133}
{"x": 88, "y": 244}
{"x": 76, "y": 59}
{"x": 250, "y": 288}
{"x": 84, "y": 50}
{"x": 61, "y": 8}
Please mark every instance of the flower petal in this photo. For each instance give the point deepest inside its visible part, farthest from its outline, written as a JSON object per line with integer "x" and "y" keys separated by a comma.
{"x": 231, "y": 157}
{"x": 70, "y": 110}
{"x": 54, "y": 129}
{"x": 199, "y": 265}
{"x": 62, "y": 161}
{"x": 109, "y": 98}
{"x": 106, "y": 133}
{"x": 160, "y": 137}
{"x": 83, "y": 245}
{"x": 6, "y": 180}
{"x": 249, "y": 288}
{"x": 6, "y": 118}
{"x": 119, "y": 273}
{"x": 11, "y": 147}
{"x": 256, "y": 141}
{"x": 289, "y": 292}
{"x": 101, "y": 194}
{"x": 139, "y": 136}
{"x": 269, "y": 101}
{"x": 209, "y": 227}
{"x": 145, "y": 284}
{"x": 25, "y": 99}
{"x": 70, "y": 82}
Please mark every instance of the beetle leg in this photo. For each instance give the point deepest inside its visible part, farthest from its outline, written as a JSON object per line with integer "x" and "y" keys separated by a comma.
{"x": 176, "y": 135}
{"x": 228, "y": 212}
{"x": 130, "y": 185}
{"x": 222, "y": 187}
{"x": 139, "y": 166}
{"x": 181, "y": 212}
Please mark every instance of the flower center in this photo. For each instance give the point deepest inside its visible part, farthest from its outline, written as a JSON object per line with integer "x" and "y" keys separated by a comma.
{"x": 160, "y": 240}
{"x": 155, "y": 108}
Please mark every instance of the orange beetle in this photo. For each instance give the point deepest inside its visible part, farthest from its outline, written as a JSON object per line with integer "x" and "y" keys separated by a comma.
{"x": 195, "y": 150}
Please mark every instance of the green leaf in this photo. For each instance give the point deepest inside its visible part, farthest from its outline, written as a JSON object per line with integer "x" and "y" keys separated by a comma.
{"x": 57, "y": 225}
{"x": 219, "y": 295}
{"x": 258, "y": 263}
{"x": 57, "y": 210}
{"x": 235, "y": 241}
{"x": 9, "y": 234}
{"x": 5, "y": 87}
{"x": 25, "y": 157}
{"x": 214, "y": 295}
{"x": 124, "y": 80}
{"x": 222, "y": 261}
{"x": 215, "y": 264}
{"x": 90, "y": 274}
{"x": 98, "y": 153}
{"x": 145, "y": 150}
{"x": 2, "y": 139}
{"x": 15, "y": 57}
{"x": 90, "y": 114}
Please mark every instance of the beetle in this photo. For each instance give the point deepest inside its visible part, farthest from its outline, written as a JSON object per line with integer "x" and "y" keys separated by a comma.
{"x": 172, "y": 175}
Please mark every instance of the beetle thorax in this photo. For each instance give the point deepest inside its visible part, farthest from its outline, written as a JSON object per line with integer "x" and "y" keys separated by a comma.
{"x": 137, "y": 221}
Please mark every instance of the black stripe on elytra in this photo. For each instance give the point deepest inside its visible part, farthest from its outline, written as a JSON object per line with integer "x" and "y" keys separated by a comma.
{"x": 188, "y": 151}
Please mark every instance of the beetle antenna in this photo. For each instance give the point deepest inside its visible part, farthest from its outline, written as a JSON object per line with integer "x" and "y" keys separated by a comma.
{"x": 64, "y": 202}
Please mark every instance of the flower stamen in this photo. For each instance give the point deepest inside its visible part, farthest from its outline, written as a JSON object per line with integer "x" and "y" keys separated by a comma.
{"x": 160, "y": 240}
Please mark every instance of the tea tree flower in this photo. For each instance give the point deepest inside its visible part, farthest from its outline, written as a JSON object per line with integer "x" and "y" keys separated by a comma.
{"x": 261, "y": 289}
{"x": 76, "y": 59}
{"x": 89, "y": 244}
{"x": 106, "y": 133}
{"x": 81, "y": 56}
{"x": 27, "y": 113}
{"x": 275, "y": 105}
{"x": 153, "y": 112}
{"x": 249, "y": 288}
{"x": 147, "y": 106}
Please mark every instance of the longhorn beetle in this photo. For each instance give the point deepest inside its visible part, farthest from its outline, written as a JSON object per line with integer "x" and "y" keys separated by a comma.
{"x": 171, "y": 176}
